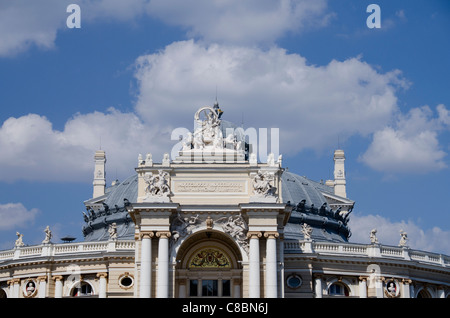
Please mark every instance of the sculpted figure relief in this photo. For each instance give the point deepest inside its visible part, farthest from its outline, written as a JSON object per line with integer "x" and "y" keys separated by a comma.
{"x": 182, "y": 226}
{"x": 157, "y": 185}
{"x": 373, "y": 237}
{"x": 237, "y": 228}
{"x": 48, "y": 235}
{"x": 262, "y": 184}
{"x": 19, "y": 241}
{"x": 208, "y": 134}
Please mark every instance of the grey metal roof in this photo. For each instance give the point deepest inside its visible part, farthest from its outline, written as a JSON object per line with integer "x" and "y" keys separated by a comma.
{"x": 311, "y": 208}
{"x": 297, "y": 190}
{"x": 126, "y": 189}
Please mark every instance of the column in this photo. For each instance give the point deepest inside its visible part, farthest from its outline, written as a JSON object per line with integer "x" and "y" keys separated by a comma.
{"x": 406, "y": 283}
{"x": 237, "y": 288}
{"x": 182, "y": 285}
{"x": 318, "y": 286}
{"x": 17, "y": 288}
{"x": 162, "y": 290}
{"x": 362, "y": 287}
{"x": 271, "y": 264}
{"x": 11, "y": 288}
{"x": 254, "y": 266}
{"x": 146, "y": 265}
{"x": 102, "y": 289}
{"x": 58, "y": 286}
{"x": 42, "y": 286}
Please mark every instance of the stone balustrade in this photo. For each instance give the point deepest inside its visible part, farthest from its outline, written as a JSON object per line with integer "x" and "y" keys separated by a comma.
{"x": 290, "y": 247}
{"x": 366, "y": 250}
{"x": 47, "y": 250}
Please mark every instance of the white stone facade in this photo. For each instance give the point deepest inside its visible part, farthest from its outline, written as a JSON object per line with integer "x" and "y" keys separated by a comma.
{"x": 216, "y": 227}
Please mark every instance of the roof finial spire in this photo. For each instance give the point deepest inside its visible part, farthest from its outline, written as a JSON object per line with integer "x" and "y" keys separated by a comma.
{"x": 219, "y": 112}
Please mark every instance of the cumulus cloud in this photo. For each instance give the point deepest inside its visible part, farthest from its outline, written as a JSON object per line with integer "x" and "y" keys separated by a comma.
{"x": 239, "y": 22}
{"x": 24, "y": 23}
{"x": 33, "y": 150}
{"x": 269, "y": 88}
{"x": 412, "y": 145}
{"x": 311, "y": 105}
{"x": 15, "y": 215}
{"x": 388, "y": 233}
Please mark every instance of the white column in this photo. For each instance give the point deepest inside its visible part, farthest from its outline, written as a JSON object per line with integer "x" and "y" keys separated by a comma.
{"x": 102, "y": 289}
{"x": 17, "y": 288}
{"x": 58, "y": 286}
{"x": 237, "y": 288}
{"x": 162, "y": 290}
{"x": 182, "y": 289}
{"x": 146, "y": 266}
{"x": 362, "y": 287}
{"x": 271, "y": 265}
{"x": 42, "y": 286}
{"x": 406, "y": 288}
{"x": 254, "y": 266}
{"x": 318, "y": 287}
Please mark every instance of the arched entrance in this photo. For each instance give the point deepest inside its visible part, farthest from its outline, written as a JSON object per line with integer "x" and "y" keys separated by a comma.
{"x": 208, "y": 265}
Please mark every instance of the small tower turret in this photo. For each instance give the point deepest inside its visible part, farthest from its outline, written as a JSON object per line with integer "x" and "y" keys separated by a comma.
{"x": 339, "y": 173}
{"x": 99, "y": 174}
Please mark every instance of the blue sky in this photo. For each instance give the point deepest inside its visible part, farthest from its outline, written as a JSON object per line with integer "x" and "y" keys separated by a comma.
{"x": 137, "y": 69}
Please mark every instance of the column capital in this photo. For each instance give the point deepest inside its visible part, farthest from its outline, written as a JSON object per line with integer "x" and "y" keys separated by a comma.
{"x": 254, "y": 234}
{"x": 146, "y": 234}
{"x": 406, "y": 281}
{"x": 163, "y": 234}
{"x": 57, "y": 277}
{"x": 271, "y": 234}
{"x": 363, "y": 278}
{"x": 102, "y": 275}
{"x": 41, "y": 278}
{"x": 13, "y": 281}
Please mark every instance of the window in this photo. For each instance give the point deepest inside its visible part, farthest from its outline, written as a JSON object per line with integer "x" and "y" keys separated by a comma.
{"x": 294, "y": 281}
{"x": 226, "y": 288}
{"x": 338, "y": 290}
{"x": 193, "y": 287}
{"x": 83, "y": 289}
{"x": 210, "y": 288}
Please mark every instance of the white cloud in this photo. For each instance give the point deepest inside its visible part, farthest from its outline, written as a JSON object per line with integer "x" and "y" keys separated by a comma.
{"x": 311, "y": 105}
{"x": 241, "y": 22}
{"x": 24, "y": 23}
{"x": 388, "y": 233}
{"x": 33, "y": 150}
{"x": 412, "y": 145}
{"x": 14, "y": 215}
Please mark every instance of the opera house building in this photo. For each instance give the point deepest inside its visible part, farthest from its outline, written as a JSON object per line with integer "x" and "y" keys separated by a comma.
{"x": 216, "y": 221}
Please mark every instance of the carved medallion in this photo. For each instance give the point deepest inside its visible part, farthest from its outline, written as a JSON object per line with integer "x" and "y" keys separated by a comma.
{"x": 209, "y": 258}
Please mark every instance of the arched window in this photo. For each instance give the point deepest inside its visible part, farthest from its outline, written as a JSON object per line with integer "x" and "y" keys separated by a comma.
{"x": 338, "y": 289}
{"x": 423, "y": 294}
{"x": 82, "y": 289}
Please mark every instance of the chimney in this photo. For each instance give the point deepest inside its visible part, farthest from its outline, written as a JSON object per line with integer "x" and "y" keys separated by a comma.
{"x": 99, "y": 174}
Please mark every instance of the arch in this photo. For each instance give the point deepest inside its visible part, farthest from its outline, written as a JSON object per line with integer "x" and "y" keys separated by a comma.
{"x": 208, "y": 239}
{"x": 339, "y": 287}
{"x": 208, "y": 264}
{"x": 423, "y": 292}
{"x": 3, "y": 293}
{"x": 81, "y": 288}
